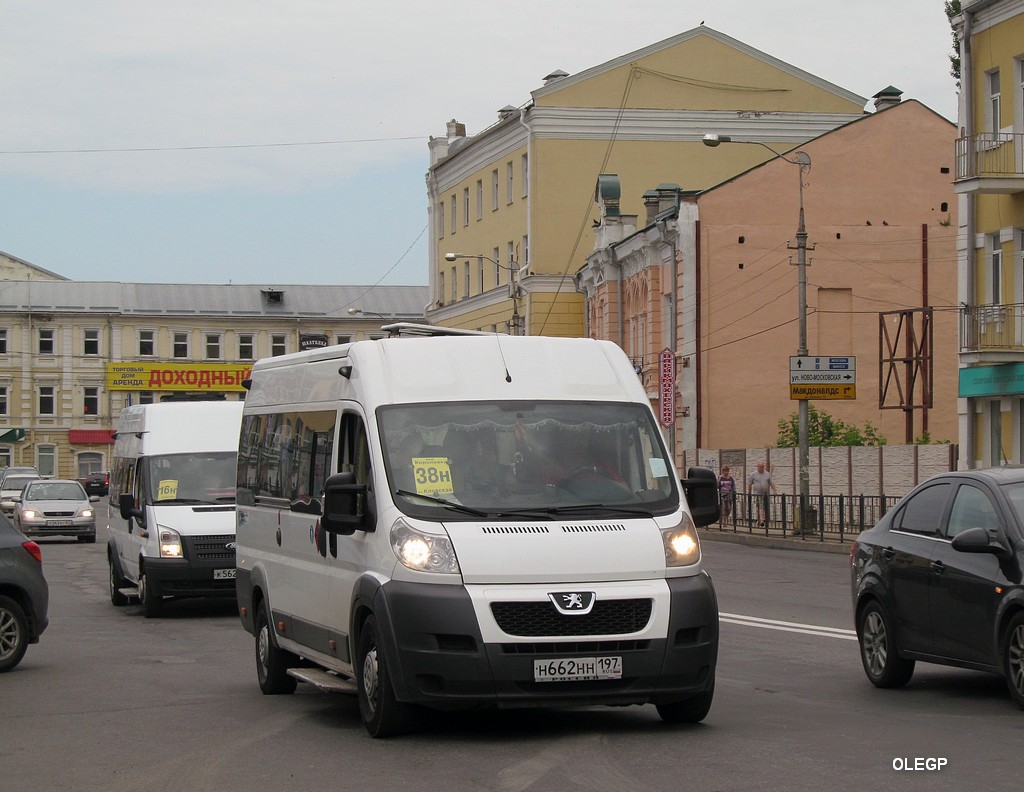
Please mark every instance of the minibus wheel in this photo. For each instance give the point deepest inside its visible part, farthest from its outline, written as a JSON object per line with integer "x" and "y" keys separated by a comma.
{"x": 382, "y": 714}
{"x": 117, "y": 582}
{"x": 272, "y": 662}
{"x": 152, "y": 604}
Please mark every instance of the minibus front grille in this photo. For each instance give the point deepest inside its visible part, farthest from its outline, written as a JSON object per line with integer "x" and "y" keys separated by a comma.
{"x": 607, "y": 617}
{"x": 212, "y": 548}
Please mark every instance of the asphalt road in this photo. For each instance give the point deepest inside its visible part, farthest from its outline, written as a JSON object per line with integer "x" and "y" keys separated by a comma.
{"x": 112, "y": 701}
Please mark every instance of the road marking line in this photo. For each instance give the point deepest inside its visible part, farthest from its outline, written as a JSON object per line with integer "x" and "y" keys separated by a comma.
{"x": 784, "y": 626}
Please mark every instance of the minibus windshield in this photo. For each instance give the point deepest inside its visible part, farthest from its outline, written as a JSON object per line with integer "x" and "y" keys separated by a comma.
{"x": 192, "y": 478}
{"x": 527, "y": 459}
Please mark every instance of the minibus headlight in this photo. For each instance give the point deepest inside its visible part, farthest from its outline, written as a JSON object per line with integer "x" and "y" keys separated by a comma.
{"x": 423, "y": 552}
{"x": 170, "y": 543}
{"x": 682, "y": 547}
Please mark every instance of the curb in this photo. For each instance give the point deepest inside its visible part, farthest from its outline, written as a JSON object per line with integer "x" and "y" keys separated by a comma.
{"x": 774, "y": 542}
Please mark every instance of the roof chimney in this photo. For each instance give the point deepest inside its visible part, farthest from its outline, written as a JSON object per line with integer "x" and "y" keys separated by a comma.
{"x": 506, "y": 111}
{"x": 455, "y": 130}
{"x": 887, "y": 97}
{"x": 557, "y": 74}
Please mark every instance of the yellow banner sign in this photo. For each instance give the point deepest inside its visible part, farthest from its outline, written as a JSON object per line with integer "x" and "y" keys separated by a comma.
{"x": 822, "y": 391}
{"x": 136, "y": 376}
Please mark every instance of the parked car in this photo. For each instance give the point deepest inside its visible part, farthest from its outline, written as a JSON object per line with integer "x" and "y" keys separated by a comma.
{"x": 24, "y": 595}
{"x": 11, "y": 487}
{"x": 56, "y": 507}
{"x": 18, "y": 471}
{"x": 97, "y": 482}
{"x": 938, "y": 580}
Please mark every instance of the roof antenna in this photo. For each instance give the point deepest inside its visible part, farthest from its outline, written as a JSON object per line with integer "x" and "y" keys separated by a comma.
{"x": 497, "y": 338}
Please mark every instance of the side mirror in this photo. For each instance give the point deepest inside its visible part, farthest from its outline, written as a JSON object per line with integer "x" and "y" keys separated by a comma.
{"x": 94, "y": 499}
{"x": 344, "y": 505}
{"x": 126, "y": 505}
{"x": 701, "y": 489}
{"x": 980, "y": 540}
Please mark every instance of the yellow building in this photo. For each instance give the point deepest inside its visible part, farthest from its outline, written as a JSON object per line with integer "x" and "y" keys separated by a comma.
{"x": 990, "y": 181}
{"x": 73, "y": 353}
{"x": 511, "y": 208}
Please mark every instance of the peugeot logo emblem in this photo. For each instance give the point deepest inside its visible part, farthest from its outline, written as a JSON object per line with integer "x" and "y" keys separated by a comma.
{"x": 573, "y": 603}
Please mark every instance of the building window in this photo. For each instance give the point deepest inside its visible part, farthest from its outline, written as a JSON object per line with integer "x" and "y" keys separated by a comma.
{"x": 480, "y": 274}
{"x": 455, "y": 285}
{"x": 465, "y": 206}
{"x": 5, "y": 456}
{"x": 181, "y": 345}
{"x": 494, "y": 190}
{"x": 343, "y": 339}
{"x": 440, "y": 287}
{"x": 497, "y": 267}
{"x": 147, "y": 343}
{"x": 440, "y": 219}
{"x": 479, "y": 199}
{"x": 91, "y": 400}
{"x": 455, "y": 214}
{"x": 89, "y": 462}
{"x": 91, "y": 342}
{"x": 993, "y": 109}
{"x": 3, "y": 400}
{"x": 525, "y": 260}
{"x": 278, "y": 345}
{"x": 466, "y": 274}
{"x": 47, "y": 400}
{"x": 509, "y": 183}
{"x": 3, "y": 340}
{"x": 213, "y": 346}
{"x": 147, "y": 397}
{"x": 246, "y": 348}
{"x": 996, "y": 269}
{"x": 46, "y": 344}
{"x": 524, "y": 174}
{"x": 46, "y": 460}
{"x": 511, "y": 248}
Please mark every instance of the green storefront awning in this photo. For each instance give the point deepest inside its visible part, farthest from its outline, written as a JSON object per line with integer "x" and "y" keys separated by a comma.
{"x": 12, "y": 436}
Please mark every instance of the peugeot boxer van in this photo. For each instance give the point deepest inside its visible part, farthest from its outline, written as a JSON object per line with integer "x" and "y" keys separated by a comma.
{"x": 172, "y": 496}
{"x": 471, "y": 520}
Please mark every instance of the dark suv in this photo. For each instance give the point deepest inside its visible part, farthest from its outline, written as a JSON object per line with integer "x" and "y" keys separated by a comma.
{"x": 24, "y": 595}
{"x": 97, "y": 483}
{"x": 939, "y": 580}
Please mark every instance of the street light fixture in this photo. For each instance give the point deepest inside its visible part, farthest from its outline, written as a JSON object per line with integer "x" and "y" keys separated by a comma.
{"x": 514, "y": 291}
{"x": 803, "y": 161}
{"x": 361, "y": 312}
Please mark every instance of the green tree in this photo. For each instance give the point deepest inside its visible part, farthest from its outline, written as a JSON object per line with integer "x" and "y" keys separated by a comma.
{"x": 952, "y": 11}
{"x": 824, "y": 430}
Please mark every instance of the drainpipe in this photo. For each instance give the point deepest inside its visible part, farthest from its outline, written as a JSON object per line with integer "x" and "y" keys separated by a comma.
{"x": 529, "y": 213}
{"x": 967, "y": 86}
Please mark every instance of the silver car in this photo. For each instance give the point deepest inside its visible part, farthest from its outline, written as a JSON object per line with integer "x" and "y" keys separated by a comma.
{"x": 10, "y": 489}
{"x": 56, "y": 507}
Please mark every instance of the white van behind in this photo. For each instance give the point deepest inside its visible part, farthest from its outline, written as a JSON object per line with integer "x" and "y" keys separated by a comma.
{"x": 172, "y": 502}
{"x": 465, "y": 521}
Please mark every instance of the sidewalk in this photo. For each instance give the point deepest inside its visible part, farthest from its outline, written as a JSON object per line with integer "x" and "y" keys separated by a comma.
{"x": 773, "y": 537}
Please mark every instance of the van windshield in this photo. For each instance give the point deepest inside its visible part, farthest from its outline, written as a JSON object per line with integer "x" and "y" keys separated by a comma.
{"x": 191, "y": 478}
{"x": 525, "y": 459}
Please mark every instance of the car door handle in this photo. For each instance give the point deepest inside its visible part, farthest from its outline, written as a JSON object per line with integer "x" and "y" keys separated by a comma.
{"x": 938, "y": 567}
{"x": 888, "y": 553}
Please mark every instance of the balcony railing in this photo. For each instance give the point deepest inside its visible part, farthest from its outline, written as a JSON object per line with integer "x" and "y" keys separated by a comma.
{"x": 990, "y": 155}
{"x": 992, "y": 327}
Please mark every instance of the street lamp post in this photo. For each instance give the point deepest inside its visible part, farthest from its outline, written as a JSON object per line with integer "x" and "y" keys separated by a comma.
{"x": 514, "y": 290}
{"x": 361, "y": 312}
{"x": 803, "y": 160}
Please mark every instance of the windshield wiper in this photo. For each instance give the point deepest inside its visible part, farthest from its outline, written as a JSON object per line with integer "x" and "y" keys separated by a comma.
{"x": 442, "y": 502}
{"x": 546, "y": 511}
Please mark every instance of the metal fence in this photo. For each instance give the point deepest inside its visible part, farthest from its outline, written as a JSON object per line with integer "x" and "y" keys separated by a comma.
{"x": 830, "y": 517}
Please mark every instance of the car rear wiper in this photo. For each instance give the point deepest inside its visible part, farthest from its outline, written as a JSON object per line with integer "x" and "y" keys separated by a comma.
{"x": 442, "y": 502}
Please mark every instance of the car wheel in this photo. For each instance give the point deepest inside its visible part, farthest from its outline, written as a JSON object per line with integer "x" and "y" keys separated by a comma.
{"x": 272, "y": 663}
{"x": 1013, "y": 658}
{"x": 878, "y": 651}
{"x": 152, "y": 604}
{"x": 13, "y": 633}
{"x": 382, "y": 714}
{"x": 690, "y": 710}
{"x": 116, "y": 582}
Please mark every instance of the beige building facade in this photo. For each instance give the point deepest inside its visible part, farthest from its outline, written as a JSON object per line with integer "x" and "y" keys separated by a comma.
{"x": 511, "y": 208}
{"x": 73, "y": 354}
{"x": 707, "y": 280}
{"x": 990, "y": 183}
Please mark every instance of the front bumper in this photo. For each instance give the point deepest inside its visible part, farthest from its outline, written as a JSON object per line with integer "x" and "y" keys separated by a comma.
{"x": 441, "y": 660}
{"x": 41, "y": 528}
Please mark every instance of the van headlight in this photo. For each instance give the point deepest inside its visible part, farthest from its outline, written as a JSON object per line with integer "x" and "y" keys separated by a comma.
{"x": 682, "y": 547}
{"x": 170, "y": 543}
{"x": 423, "y": 552}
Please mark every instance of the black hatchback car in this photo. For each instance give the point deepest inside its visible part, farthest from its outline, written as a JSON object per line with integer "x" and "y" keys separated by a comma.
{"x": 24, "y": 594}
{"x": 939, "y": 579}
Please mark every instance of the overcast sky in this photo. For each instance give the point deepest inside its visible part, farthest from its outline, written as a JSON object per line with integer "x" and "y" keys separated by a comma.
{"x": 284, "y": 141}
